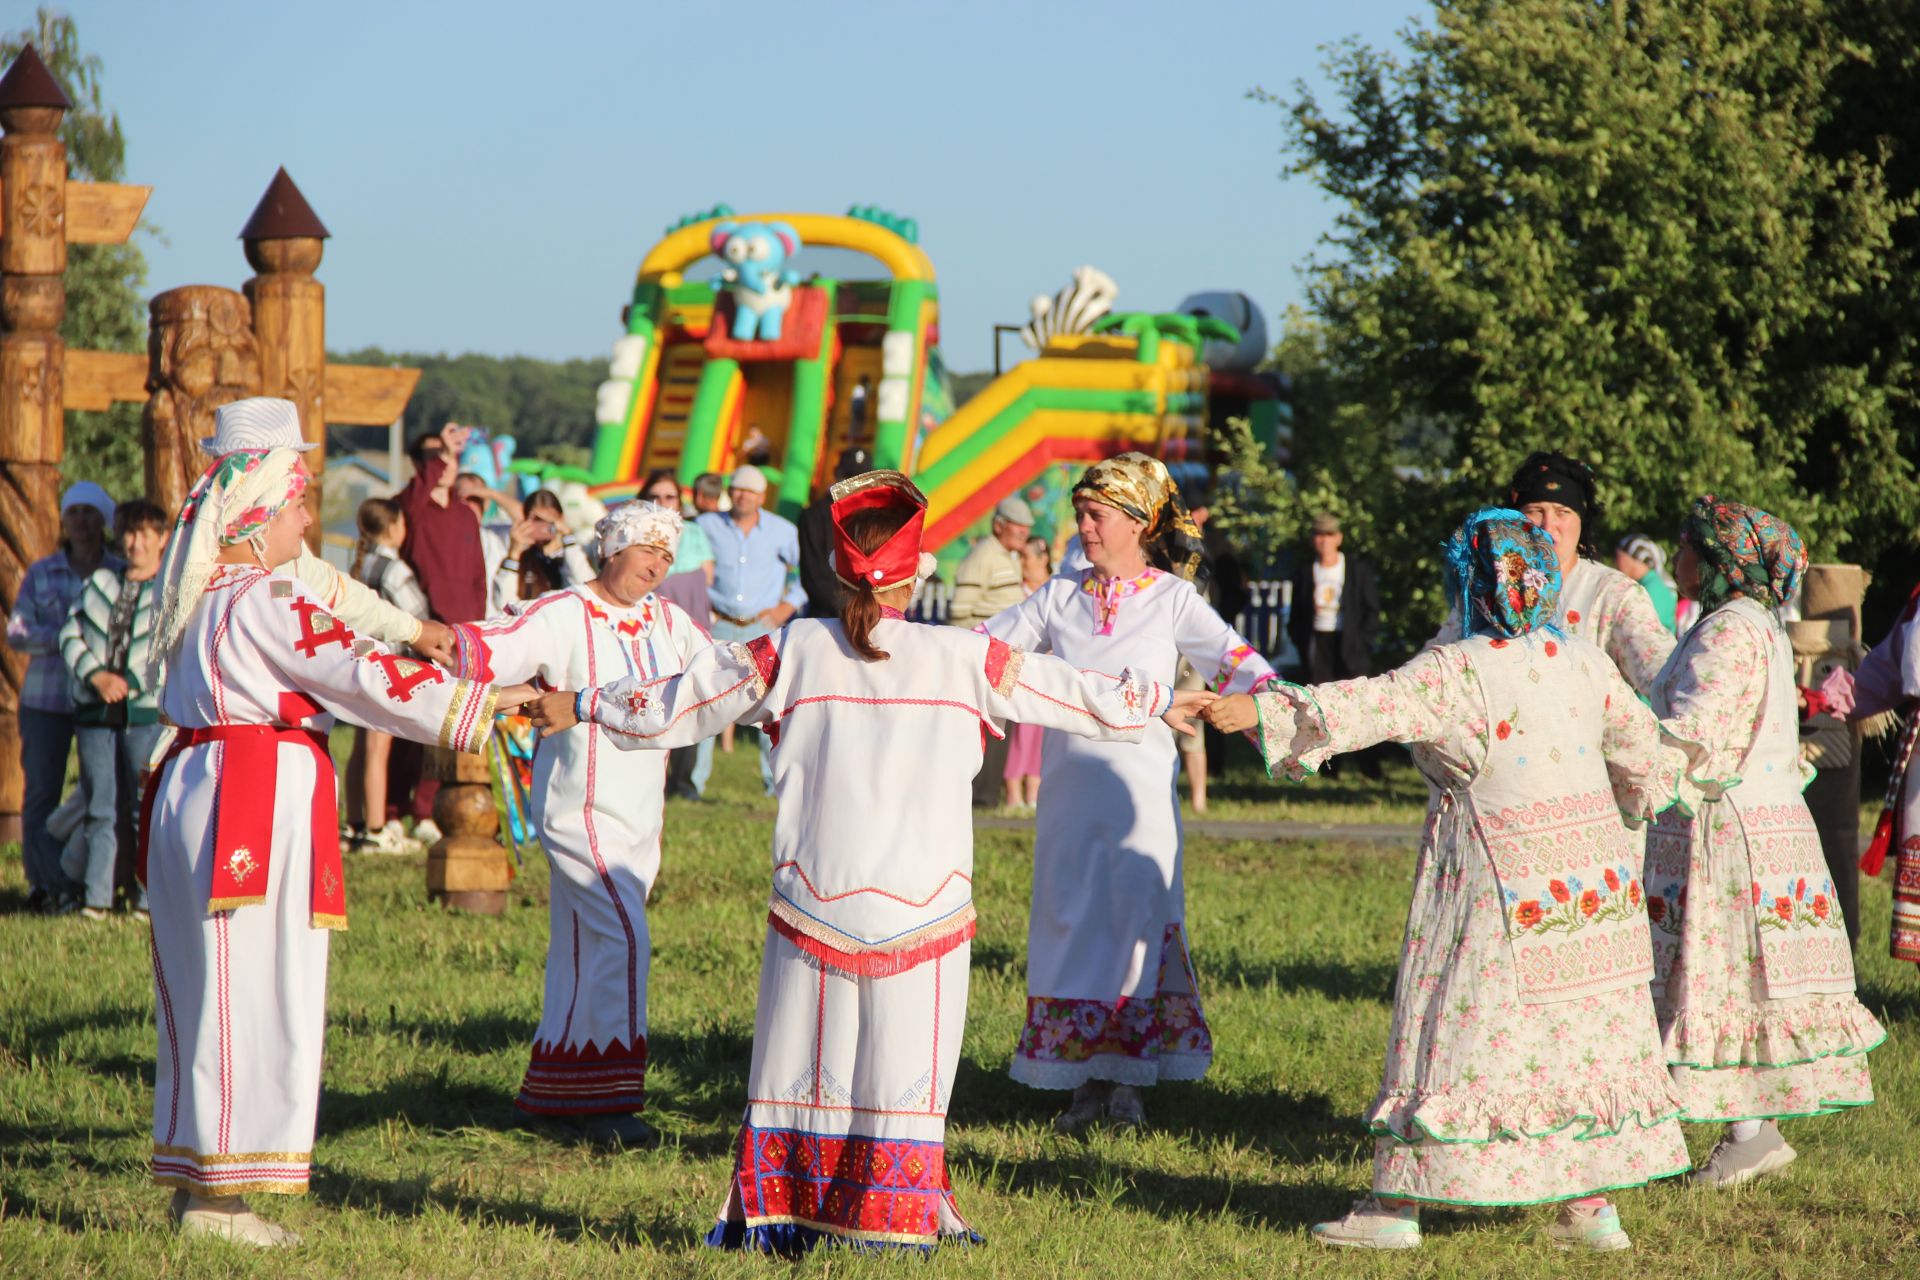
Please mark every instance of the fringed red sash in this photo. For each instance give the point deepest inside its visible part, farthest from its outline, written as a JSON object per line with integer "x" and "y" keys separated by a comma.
{"x": 873, "y": 964}
{"x": 243, "y": 817}
{"x": 1883, "y": 831}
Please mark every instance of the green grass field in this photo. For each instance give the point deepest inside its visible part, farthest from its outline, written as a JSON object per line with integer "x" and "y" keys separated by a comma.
{"x": 419, "y": 1171}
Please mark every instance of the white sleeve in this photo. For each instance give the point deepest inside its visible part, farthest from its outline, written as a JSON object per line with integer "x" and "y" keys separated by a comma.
{"x": 354, "y": 603}
{"x": 724, "y": 684}
{"x": 1036, "y": 688}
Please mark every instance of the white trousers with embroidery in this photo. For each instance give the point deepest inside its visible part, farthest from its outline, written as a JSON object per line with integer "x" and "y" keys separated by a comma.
{"x": 239, "y": 996}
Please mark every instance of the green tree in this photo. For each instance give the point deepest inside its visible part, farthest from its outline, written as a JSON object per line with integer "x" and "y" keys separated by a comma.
{"x": 105, "y": 311}
{"x": 1636, "y": 232}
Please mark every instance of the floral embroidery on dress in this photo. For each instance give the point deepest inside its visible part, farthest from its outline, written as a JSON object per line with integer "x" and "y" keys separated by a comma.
{"x": 1569, "y": 905}
{"x": 1794, "y": 907}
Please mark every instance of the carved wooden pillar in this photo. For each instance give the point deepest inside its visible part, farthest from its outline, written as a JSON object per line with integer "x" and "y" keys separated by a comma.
{"x": 283, "y": 241}
{"x": 200, "y": 355}
{"x": 33, "y": 301}
{"x": 467, "y": 868}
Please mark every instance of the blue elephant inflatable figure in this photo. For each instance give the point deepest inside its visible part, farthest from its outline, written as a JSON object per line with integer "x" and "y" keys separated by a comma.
{"x": 756, "y": 254}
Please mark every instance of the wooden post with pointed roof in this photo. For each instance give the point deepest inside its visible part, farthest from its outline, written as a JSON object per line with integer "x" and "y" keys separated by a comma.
{"x": 284, "y": 240}
{"x": 33, "y": 302}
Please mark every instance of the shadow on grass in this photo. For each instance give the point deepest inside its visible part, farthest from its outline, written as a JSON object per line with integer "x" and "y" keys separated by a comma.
{"x": 1891, "y": 1004}
{"x": 58, "y": 1153}
{"x": 409, "y": 1197}
{"x": 477, "y": 1033}
{"x": 1361, "y": 980}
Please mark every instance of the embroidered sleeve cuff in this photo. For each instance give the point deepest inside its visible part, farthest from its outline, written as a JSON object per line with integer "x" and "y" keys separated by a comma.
{"x": 585, "y": 704}
{"x": 469, "y": 716}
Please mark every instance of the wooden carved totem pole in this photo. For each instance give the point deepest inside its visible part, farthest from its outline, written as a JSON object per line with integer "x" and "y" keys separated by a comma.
{"x": 284, "y": 239}
{"x": 200, "y": 355}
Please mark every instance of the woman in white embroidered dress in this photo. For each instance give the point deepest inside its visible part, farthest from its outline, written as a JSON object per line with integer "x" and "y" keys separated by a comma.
{"x": 1112, "y": 1004}
{"x": 1597, "y": 602}
{"x": 241, "y": 851}
{"x": 598, "y": 814}
{"x": 1754, "y": 980}
{"x": 876, "y": 726}
{"x": 1524, "y": 1063}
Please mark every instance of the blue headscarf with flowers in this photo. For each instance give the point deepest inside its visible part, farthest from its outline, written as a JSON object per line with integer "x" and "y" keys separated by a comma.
{"x": 1502, "y": 574}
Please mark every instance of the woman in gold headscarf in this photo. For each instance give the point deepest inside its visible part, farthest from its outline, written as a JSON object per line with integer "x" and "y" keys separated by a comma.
{"x": 1111, "y": 1001}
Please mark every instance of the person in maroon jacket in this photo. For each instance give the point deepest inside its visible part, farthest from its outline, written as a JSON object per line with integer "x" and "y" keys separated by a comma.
{"x": 443, "y": 535}
{"x": 443, "y": 546}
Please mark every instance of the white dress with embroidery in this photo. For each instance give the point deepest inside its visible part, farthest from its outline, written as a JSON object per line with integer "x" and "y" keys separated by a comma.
{"x": 1754, "y": 980}
{"x": 1524, "y": 1060}
{"x": 1609, "y": 609}
{"x": 863, "y": 989}
{"x": 1110, "y": 987}
{"x": 598, "y": 813}
{"x": 240, "y": 994}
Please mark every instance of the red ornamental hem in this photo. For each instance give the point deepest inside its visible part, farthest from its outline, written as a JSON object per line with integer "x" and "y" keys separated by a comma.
{"x": 585, "y": 1081}
{"x": 872, "y": 964}
{"x": 857, "y": 1189}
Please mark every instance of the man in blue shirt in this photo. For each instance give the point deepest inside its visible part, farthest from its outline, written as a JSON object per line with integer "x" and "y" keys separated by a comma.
{"x": 756, "y": 571}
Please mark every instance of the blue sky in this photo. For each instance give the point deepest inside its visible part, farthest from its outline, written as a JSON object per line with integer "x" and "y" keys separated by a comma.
{"x": 492, "y": 174}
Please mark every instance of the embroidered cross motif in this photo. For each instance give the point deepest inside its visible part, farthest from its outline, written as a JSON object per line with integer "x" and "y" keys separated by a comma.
{"x": 404, "y": 675}
{"x": 313, "y": 638}
{"x": 241, "y": 863}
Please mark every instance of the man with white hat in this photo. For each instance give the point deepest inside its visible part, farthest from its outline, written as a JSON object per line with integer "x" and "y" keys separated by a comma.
{"x": 756, "y": 571}
{"x": 259, "y": 423}
{"x": 598, "y": 815}
{"x": 986, "y": 581}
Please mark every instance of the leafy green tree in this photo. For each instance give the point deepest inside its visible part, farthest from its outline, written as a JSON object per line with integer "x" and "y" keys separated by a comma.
{"x": 104, "y": 281}
{"x": 538, "y": 402}
{"x": 1663, "y": 237}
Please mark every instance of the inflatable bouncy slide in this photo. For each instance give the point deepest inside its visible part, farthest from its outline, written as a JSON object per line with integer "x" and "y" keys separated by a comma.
{"x": 783, "y": 339}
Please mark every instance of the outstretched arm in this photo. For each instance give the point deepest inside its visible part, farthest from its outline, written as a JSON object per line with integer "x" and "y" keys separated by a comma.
{"x": 724, "y": 684}
{"x": 1035, "y": 688}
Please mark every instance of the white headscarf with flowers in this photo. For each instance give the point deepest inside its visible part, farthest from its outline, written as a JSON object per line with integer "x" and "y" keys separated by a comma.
{"x": 638, "y": 524}
{"x": 233, "y": 502}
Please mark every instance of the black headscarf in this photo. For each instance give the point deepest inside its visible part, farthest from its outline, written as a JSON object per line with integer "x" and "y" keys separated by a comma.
{"x": 1554, "y": 477}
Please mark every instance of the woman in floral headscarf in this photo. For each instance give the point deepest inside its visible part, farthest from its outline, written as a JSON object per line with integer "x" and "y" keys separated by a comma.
{"x": 1524, "y": 1063}
{"x": 1111, "y": 1002}
{"x": 240, "y": 845}
{"x": 1754, "y": 978}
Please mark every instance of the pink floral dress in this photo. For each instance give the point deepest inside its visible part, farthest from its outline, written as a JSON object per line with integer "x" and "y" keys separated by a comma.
{"x": 1524, "y": 1061}
{"x": 1754, "y": 978}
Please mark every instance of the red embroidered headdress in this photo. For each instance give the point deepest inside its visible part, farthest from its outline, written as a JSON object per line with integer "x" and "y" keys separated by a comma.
{"x": 896, "y": 561}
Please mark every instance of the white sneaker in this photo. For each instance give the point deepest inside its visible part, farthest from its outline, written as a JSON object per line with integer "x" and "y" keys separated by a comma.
{"x": 1734, "y": 1164}
{"x": 1125, "y": 1107}
{"x": 1089, "y": 1104}
{"x": 388, "y": 839}
{"x": 1596, "y": 1229}
{"x": 226, "y": 1218}
{"x": 1371, "y": 1225}
{"x": 426, "y": 831}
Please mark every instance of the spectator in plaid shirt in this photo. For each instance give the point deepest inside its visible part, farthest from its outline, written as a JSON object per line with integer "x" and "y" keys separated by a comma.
{"x": 47, "y": 595}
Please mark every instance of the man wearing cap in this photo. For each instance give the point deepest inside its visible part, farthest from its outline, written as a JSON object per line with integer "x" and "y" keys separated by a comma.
{"x": 816, "y": 540}
{"x": 986, "y": 581}
{"x": 1336, "y": 609}
{"x": 1641, "y": 558}
{"x": 756, "y": 571}
{"x": 259, "y": 423}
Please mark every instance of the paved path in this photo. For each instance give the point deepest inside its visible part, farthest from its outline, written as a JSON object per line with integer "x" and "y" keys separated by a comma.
{"x": 1385, "y": 833}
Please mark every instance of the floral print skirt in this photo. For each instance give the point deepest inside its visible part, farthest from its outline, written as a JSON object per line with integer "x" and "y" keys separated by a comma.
{"x": 1488, "y": 1100}
{"x": 1136, "y": 1040}
{"x": 1735, "y": 1053}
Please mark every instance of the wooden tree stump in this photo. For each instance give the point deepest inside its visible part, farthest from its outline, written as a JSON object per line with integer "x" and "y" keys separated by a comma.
{"x": 467, "y": 868}
{"x": 33, "y": 301}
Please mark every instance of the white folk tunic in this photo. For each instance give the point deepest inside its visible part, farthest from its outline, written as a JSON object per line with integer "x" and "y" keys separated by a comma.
{"x": 1524, "y": 1061}
{"x": 598, "y": 814}
{"x": 1609, "y": 609}
{"x": 863, "y": 988}
{"x": 1110, "y": 986}
{"x": 240, "y": 994}
{"x": 1754, "y": 977}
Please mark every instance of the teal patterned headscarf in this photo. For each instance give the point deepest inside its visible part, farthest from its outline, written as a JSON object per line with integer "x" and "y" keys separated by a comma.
{"x": 1744, "y": 551}
{"x": 1502, "y": 574}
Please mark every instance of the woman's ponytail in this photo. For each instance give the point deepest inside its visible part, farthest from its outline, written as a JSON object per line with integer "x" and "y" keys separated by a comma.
{"x": 859, "y": 611}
